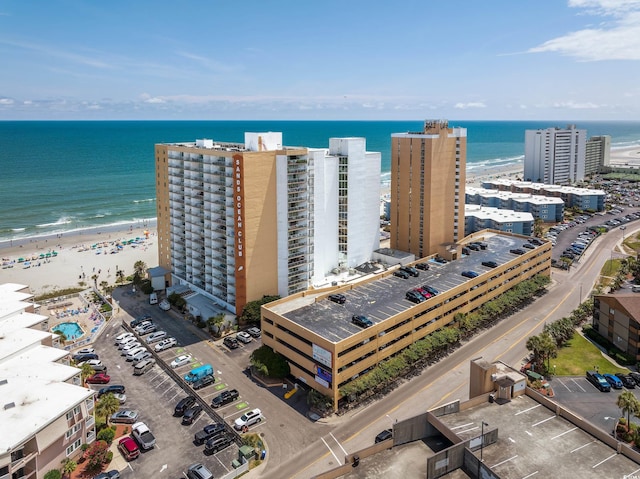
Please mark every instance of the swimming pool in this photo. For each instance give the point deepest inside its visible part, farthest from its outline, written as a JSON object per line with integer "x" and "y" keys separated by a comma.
{"x": 70, "y": 330}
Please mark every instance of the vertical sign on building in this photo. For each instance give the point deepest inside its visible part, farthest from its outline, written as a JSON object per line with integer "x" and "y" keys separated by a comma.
{"x": 239, "y": 225}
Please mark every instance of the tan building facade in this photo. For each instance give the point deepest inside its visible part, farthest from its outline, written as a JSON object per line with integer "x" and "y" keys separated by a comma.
{"x": 428, "y": 172}
{"x": 617, "y": 318}
{"x": 325, "y": 350}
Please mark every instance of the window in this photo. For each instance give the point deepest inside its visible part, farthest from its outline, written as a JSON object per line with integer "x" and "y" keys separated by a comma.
{"x": 76, "y": 410}
{"x": 73, "y": 447}
{"x": 69, "y": 415}
{"x": 73, "y": 430}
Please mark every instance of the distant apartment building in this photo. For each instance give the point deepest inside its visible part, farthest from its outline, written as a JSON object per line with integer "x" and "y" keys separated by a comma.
{"x": 547, "y": 209}
{"x": 478, "y": 218}
{"x": 46, "y": 414}
{"x": 617, "y": 318}
{"x": 586, "y": 199}
{"x": 555, "y": 155}
{"x": 428, "y": 171}
{"x": 240, "y": 221}
{"x": 597, "y": 154}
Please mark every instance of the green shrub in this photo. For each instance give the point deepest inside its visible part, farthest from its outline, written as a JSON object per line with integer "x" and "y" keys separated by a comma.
{"x": 53, "y": 474}
{"x": 107, "y": 434}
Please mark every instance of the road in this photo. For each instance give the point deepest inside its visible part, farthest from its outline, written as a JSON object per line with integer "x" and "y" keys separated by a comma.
{"x": 448, "y": 380}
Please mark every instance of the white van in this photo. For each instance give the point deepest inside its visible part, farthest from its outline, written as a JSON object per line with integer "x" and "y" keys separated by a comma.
{"x": 635, "y": 289}
{"x": 130, "y": 354}
{"x": 153, "y": 298}
{"x": 143, "y": 366}
{"x": 157, "y": 336}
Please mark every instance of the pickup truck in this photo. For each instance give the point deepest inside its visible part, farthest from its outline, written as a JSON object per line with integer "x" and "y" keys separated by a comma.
{"x": 209, "y": 432}
{"x": 142, "y": 434}
{"x": 225, "y": 397}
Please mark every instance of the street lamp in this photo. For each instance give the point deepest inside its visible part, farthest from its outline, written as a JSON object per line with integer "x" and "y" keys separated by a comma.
{"x": 481, "y": 444}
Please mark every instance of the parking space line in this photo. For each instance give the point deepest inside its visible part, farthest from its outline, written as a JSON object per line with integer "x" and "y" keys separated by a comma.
{"x": 506, "y": 460}
{"x": 529, "y": 475}
{"x": 162, "y": 382}
{"x": 338, "y": 443}
{"x": 584, "y": 445}
{"x": 462, "y": 425}
{"x": 578, "y": 384}
{"x": 543, "y": 421}
{"x": 468, "y": 430}
{"x": 331, "y": 450}
{"x": 562, "y": 434}
{"x": 604, "y": 460}
{"x": 527, "y": 410}
{"x": 633, "y": 474}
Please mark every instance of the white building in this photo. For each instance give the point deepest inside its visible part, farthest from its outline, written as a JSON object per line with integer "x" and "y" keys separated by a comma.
{"x": 240, "y": 221}
{"x": 555, "y": 155}
{"x": 597, "y": 154}
{"x": 46, "y": 414}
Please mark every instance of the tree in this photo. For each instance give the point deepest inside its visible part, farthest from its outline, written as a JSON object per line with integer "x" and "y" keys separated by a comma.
{"x": 537, "y": 228}
{"x": 96, "y": 455}
{"x": 120, "y": 276}
{"x": 629, "y": 405}
{"x": 139, "y": 271}
{"x": 68, "y": 466}
{"x": 251, "y": 311}
{"x": 53, "y": 474}
{"x": 270, "y": 363}
{"x": 217, "y": 322}
{"x": 107, "y": 405}
{"x": 85, "y": 371}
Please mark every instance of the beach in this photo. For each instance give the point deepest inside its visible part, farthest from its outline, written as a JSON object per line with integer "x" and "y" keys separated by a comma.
{"x": 79, "y": 256}
{"x": 629, "y": 156}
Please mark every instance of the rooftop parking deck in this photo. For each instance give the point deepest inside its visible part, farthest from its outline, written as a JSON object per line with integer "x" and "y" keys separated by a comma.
{"x": 383, "y": 298}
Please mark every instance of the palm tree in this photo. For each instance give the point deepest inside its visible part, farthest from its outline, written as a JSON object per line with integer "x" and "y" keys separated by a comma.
{"x": 629, "y": 405}
{"x": 107, "y": 405}
{"x": 86, "y": 371}
{"x": 140, "y": 268}
{"x": 68, "y": 466}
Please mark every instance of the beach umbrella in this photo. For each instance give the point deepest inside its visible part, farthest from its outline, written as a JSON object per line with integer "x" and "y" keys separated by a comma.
{"x": 41, "y": 255}
{"x": 48, "y": 255}
{"x": 20, "y": 260}
{"x": 55, "y": 253}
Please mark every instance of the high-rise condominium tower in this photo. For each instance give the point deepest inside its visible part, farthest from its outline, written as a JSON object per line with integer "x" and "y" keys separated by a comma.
{"x": 240, "y": 221}
{"x": 427, "y": 188}
{"x": 555, "y": 156}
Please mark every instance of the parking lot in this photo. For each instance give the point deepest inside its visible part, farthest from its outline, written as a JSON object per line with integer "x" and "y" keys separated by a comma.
{"x": 154, "y": 395}
{"x": 580, "y": 396}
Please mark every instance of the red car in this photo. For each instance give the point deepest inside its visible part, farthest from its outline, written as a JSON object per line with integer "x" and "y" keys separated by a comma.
{"x": 129, "y": 448}
{"x": 99, "y": 378}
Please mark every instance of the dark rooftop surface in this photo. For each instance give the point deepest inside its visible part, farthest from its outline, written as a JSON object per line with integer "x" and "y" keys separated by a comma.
{"x": 383, "y": 298}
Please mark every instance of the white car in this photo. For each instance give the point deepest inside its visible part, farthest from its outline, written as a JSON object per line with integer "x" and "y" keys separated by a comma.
{"x": 125, "y": 341}
{"x": 181, "y": 361}
{"x": 95, "y": 364}
{"x": 129, "y": 346}
{"x": 85, "y": 351}
{"x": 248, "y": 419}
{"x": 244, "y": 337}
{"x": 155, "y": 337}
{"x": 166, "y": 344}
{"x": 123, "y": 336}
{"x": 122, "y": 398}
{"x": 165, "y": 305}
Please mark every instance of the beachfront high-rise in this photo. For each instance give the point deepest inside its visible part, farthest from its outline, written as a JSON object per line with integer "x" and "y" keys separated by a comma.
{"x": 555, "y": 156}
{"x": 597, "y": 154}
{"x": 240, "y": 221}
{"x": 428, "y": 171}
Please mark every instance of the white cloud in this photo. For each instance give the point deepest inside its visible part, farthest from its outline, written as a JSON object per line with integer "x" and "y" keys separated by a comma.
{"x": 6, "y": 101}
{"x": 146, "y": 98}
{"x": 616, "y": 39}
{"x": 473, "y": 104}
{"x": 576, "y": 106}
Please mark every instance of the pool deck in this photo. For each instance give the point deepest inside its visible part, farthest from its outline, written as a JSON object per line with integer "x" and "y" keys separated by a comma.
{"x": 74, "y": 310}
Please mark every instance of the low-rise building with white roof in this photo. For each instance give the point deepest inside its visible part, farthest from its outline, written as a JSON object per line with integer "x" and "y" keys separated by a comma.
{"x": 477, "y": 218}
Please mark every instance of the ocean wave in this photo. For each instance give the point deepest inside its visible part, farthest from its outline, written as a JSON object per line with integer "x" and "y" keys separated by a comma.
{"x": 61, "y": 221}
{"x": 625, "y": 144}
{"x": 495, "y": 162}
{"x": 18, "y": 230}
{"x": 148, "y": 200}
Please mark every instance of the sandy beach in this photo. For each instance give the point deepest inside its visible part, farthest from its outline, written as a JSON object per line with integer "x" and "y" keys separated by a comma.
{"x": 76, "y": 259}
{"x": 625, "y": 156}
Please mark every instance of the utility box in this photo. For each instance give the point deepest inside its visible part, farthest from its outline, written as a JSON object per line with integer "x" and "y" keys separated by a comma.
{"x": 247, "y": 452}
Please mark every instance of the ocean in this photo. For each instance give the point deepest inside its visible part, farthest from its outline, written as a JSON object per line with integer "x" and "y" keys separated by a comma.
{"x": 59, "y": 176}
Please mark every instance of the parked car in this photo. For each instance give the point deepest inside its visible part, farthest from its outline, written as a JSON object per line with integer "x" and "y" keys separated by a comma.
{"x": 122, "y": 398}
{"x": 198, "y": 471}
{"x": 127, "y": 340}
{"x": 614, "y": 381}
{"x": 516, "y": 251}
{"x": 155, "y": 337}
{"x": 140, "y": 319}
{"x": 384, "y": 435}
{"x": 337, "y": 298}
{"x": 217, "y": 444}
{"x": 254, "y": 332}
{"x": 141, "y": 356}
{"x": 414, "y": 297}
{"x": 627, "y": 381}
{"x": 231, "y": 343}
{"x": 132, "y": 353}
{"x": 164, "y": 305}
{"x": 165, "y": 344}
{"x": 248, "y": 419}
{"x": 225, "y": 397}
{"x": 80, "y": 358}
{"x": 128, "y": 448}
{"x": 98, "y": 378}
{"x": 121, "y": 336}
{"x": 129, "y": 346}
{"x": 148, "y": 329}
{"x": 203, "y": 382}
{"x": 469, "y": 274}
{"x": 598, "y": 381}
{"x": 528, "y": 246}
{"x": 183, "y": 405}
{"x": 401, "y": 274}
{"x": 440, "y": 259}
{"x": 490, "y": 264}
{"x": 84, "y": 351}
{"x": 112, "y": 474}
{"x": 114, "y": 388}
{"x": 431, "y": 289}
{"x": 636, "y": 377}
{"x": 362, "y": 321}
{"x": 422, "y": 266}
{"x": 411, "y": 271}
{"x": 208, "y": 432}
{"x": 124, "y": 416}
{"x": 182, "y": 360}
{"x": 141, "y": 326}
{"x": 191, "y": 414}
{"x": 95, "y": 364}
{"x": 244, "y": 337}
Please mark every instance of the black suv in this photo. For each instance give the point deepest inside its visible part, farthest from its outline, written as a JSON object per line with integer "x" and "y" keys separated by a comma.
{"x": 338, "y": 298}
{"x": 410, "y": 271}
{"x": 516, "y": 251}
{"x": 414, "y": 297}
{"x": 231, "y": 343}
{"x": 208, "y": 432}
{"x": 225, "y": 397}
{"x": 422, "y": 266}
{"x": 217, "y": 444}
{"x": 361, "y": 321}
{"x": 490, "y": 264}
{"x": 192, "y": 414}
{"x": 203, "y": 382}
{"x": 400, "y": 273}
{"x": 183, "y": 405}
{"x": 114, "y": 388}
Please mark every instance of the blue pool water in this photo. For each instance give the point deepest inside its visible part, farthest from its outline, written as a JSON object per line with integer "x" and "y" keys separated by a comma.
{"x": 70, "y": 330}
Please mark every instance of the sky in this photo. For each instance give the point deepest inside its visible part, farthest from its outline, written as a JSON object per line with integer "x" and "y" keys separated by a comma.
{"x": 322, "y": 60}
